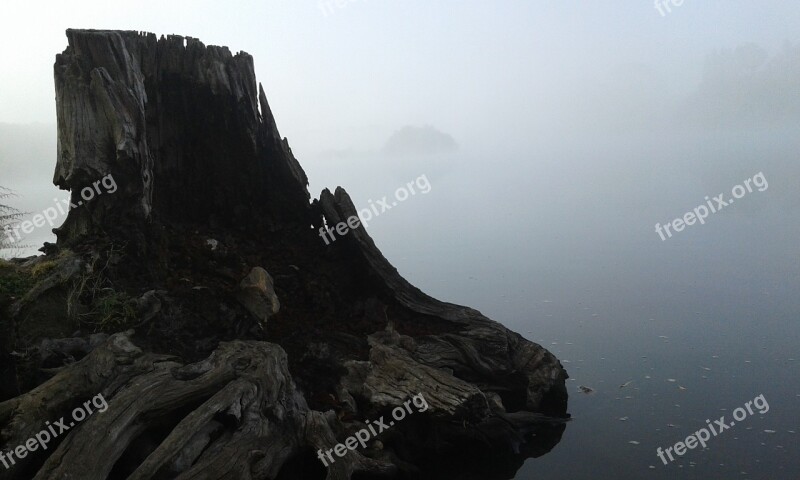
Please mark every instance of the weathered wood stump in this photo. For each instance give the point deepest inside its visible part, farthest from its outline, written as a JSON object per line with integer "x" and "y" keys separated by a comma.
{"x": 211, "y": 382}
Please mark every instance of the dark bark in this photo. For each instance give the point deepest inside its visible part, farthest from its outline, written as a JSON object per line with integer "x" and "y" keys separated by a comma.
{"x": 255, "y": 343}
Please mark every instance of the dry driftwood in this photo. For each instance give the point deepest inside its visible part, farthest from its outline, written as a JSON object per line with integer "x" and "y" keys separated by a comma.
{"x": 246, "y": 417}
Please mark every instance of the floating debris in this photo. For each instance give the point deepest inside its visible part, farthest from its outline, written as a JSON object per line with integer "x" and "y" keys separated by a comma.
{"x": 634, "y": 442}
{"x": 681, "y": 388}
{"x": 769, "y": 431}
{"x": 623, "y": 419}
{"x": 585, "y": 390}
{"x": 671, "y": 380}
{"x": 626, "y": 384}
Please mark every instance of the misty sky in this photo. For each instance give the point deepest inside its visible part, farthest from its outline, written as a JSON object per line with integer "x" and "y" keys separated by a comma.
{"x": 578, "y": 124}
{"x": 485, "y": 69}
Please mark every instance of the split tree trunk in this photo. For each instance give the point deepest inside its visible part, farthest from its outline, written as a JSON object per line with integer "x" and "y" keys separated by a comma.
{"x": 206, "y": 190}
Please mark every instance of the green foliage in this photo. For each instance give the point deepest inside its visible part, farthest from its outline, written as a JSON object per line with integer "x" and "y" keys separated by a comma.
{"x": 104, "y": 308}
{"x": 112, "y": 311}
{"x": 41, "y": 270}
{"x": 14, "y": 283}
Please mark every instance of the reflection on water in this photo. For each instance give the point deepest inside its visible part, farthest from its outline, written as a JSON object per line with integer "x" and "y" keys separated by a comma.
{"x": 665, "y": 334}
{"x": 480, "y": 458}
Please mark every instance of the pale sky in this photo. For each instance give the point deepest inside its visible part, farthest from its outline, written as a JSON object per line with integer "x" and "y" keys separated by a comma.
{"x": 468, "y": 67}
{"x": 556, "y": 105}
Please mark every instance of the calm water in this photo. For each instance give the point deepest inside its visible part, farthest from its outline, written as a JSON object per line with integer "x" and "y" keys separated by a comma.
{"x": 559, "y": 245}
{"x": 580, "y": 270}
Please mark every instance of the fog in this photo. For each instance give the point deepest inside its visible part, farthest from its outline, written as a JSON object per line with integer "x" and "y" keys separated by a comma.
{"x": 567, "y": 120}
{"x": 554, "y": 136}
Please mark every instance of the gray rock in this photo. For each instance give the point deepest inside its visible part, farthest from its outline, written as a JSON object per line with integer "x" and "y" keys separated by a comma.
{"x": 148, "y": 306}
{"x": 257, "y": 295}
